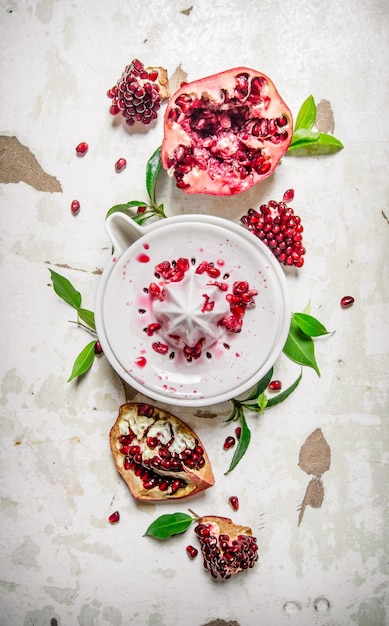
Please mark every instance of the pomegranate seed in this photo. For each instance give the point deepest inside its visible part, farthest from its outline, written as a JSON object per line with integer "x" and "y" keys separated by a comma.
{"x": 75, "y": 207}
{"x": 238, "y": 432}
{"x": 82, "y": 148}
{"x": 192, "y": 551}
{"x": 141, "y": 209}
{"x": 159, "y": 347}
{"x": 98, "y": 348}
{"x": 234, "y": 501}
{"x": 346, "y": 301}
{"x": 275, "y": 385}
{"x": 120, "y": 164}
{"x": 229, "y": 443}
{"x": 114, "y": 517}
{"x": 288, "y": 195}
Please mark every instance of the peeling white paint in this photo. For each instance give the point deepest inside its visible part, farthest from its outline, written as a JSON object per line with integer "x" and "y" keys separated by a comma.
{"x": 61, "y": 561}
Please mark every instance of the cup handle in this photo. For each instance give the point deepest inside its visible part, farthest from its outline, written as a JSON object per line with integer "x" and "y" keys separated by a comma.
{"x": 122, "y": 231}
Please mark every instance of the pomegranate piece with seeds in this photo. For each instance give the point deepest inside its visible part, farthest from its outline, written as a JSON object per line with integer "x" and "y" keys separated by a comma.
{"x": 139, "y": 92}
{"x": 280, "y": 229}
{"x": 227, "y": 548}
{"x": 158, "y": 456}
{"x": 225, "y": 133}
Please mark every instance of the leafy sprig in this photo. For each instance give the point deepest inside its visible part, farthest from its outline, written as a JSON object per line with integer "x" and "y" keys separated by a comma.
{"x": 145, "y": 210}
{"x": 85, "y": 318}
{"x": 299, "y": 347}
{"x": 306, "y": 139}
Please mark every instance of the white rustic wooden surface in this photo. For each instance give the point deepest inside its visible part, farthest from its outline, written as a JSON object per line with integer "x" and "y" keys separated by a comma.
{"x": 61, "y": 562}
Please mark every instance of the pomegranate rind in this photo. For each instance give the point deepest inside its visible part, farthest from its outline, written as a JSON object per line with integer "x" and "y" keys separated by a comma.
{"x": 162, "y": 80}
{"x": 196, "y": 480}
{"x": 218, "y": 173}
{"x": 225, "y": 526}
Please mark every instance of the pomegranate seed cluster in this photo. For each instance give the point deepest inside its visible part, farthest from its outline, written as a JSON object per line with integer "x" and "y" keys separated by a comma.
{"x": 136, "y": 95}
{"x": 156, "y": 452}
{"x": 237, "y": 298}
{"x": 280, "y": 229}
{"x": 225, "y": 555}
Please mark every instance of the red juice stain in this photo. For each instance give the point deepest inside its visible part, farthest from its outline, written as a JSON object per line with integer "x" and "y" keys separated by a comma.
{"x": 143, "y": 258}
{"x": 140, "y": 361}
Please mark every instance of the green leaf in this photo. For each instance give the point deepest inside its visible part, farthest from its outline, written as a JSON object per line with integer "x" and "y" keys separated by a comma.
{"x": 141, "y": 218}
{"x": 243, "y": 443}
{"x": 65, "y": 290}
{"x": 262, "y": 402}
{"x": 153, "y": 167}
{"x": 325, "y": 144}
{"x": 123, "y": 208}
{"x": 88, "y": 317}
{"x": 280, "y": 397}
{"x": 300, "y": 348}
{"x": 169, "y": 524}
{"x": 310, "y": 325}
{"x": 306, "y": 117}
{"x": 304, "y": 136}
{"x": 234, "y": 413}
{"x": 83, "y": 361}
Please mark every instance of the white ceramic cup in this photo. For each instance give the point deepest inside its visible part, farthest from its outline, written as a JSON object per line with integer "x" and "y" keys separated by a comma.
{"x": 230, "y": 363}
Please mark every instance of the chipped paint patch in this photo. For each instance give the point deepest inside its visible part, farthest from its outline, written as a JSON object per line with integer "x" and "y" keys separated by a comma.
{"x": 325, "y": 121}
{"x": 18, "y": 164}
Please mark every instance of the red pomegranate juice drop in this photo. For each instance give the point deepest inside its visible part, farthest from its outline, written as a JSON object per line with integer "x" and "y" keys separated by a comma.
{"x": 140, "y": 361}
{"x": 143, "y": 258}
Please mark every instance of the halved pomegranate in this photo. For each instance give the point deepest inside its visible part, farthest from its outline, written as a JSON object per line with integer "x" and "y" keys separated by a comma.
{"x": 227, "y": 548}
{"x": 225, "y": 133}
{"x": 159, "y": 456}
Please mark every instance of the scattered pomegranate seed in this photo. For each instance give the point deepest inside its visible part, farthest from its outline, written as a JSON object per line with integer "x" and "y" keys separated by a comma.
{"x": 234, "y": 501}
{"x": 238, "y": 432}
{"x": 120, "y": 164}
{"x": 192, "y": 551}
{"x": 114, "y": 517}
{"x": 98, "y": 348}
{"x": 275, "y": 385}
{"x": 141, "y": 209}
{"x": 75, "y": 207}
{"x": 288, "y": 195}
{"x": 346, "y": 301}
{"x": 82, "y": 148}
{"x": 229, "y": 443}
